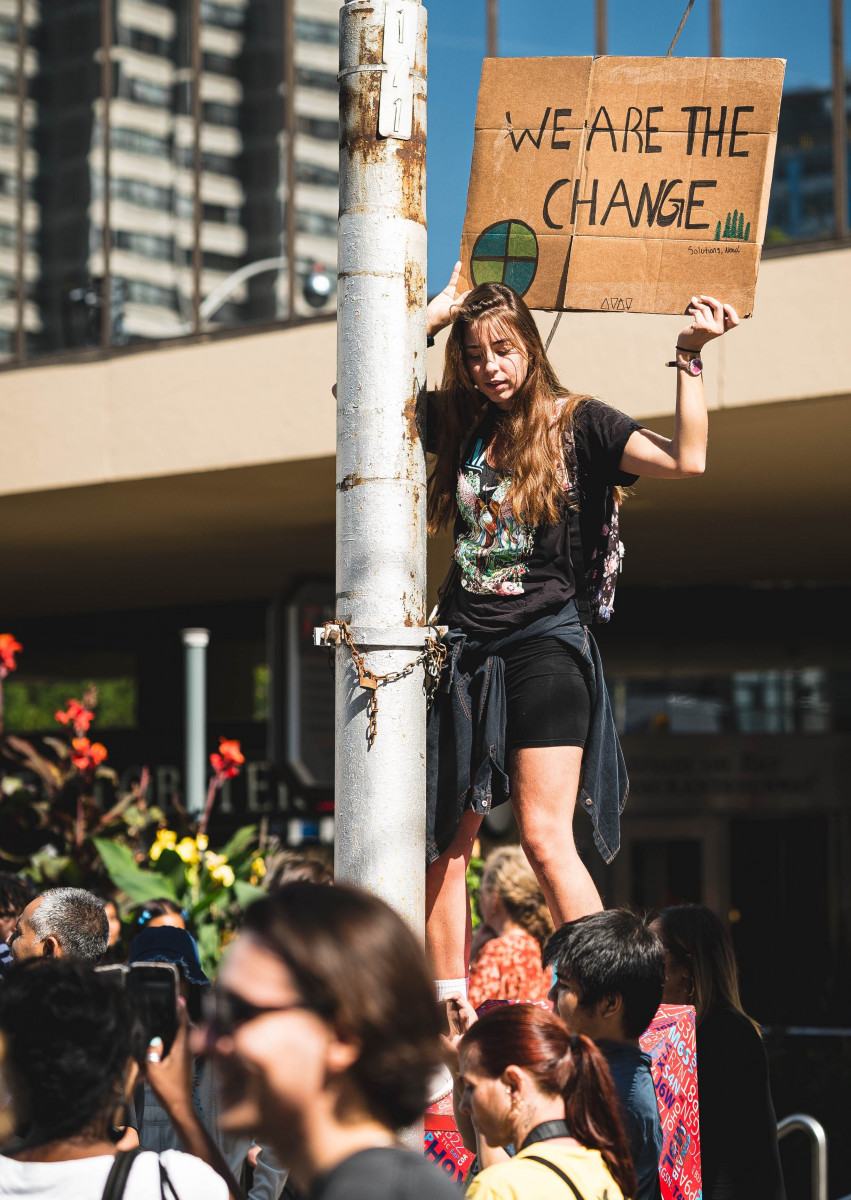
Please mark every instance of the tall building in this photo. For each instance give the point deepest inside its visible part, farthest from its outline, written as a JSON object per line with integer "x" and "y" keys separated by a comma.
{"x": 802, "y": 204}
{"x": 179, "y": 167}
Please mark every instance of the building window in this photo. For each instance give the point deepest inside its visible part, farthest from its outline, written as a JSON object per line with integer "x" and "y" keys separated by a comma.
{"x": 746, "y": 702}
{"x": 324, "y": 32}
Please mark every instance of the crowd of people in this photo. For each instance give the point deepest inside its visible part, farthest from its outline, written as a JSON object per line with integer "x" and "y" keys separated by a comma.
{"x": 328, "y": 1031}
{"x": 298, "y": 1070}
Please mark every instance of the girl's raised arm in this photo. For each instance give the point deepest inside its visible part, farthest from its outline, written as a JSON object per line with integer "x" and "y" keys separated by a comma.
{"x": 684, "y": 454}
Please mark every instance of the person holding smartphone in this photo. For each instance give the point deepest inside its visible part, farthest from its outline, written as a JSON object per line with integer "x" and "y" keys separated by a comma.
{"x": 72, "y": 1048}
{"x": 173, "y": 949}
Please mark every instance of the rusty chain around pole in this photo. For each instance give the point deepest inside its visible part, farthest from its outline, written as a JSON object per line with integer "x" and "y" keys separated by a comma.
{"x": 431, "y": 657}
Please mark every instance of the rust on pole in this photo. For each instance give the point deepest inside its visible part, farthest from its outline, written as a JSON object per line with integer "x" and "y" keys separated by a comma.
{"x": 715, "y": 28}
{"x": 840, "y": 119}
{"x": 600, "y": 27}
{"x": 492, "y": 28}
{"x": 381, "y": 479}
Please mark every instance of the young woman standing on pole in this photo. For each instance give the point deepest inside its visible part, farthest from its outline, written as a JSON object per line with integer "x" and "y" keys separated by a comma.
{"x": 522, "y": 711}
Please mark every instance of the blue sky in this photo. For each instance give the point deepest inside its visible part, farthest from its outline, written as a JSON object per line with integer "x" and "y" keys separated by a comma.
{"x": 788, "y": 29}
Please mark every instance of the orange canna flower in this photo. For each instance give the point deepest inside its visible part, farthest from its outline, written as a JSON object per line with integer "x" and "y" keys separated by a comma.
{"x": 9, "y": 647}
{"x": 229, "y": 758}
{"x": 75, "y": 714}
{"x": 86, "y": 755}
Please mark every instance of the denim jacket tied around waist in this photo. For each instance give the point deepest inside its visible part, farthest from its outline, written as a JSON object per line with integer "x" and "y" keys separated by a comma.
{"x": 466, "y": 735}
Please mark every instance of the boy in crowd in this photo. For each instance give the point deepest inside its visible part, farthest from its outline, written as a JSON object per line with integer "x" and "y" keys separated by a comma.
{"x": 610, "y": 973}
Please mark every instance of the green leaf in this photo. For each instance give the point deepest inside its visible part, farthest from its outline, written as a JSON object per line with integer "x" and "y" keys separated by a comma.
{"x": 138, "y": 884}
{"x": 48, "y": 865}
{"x": 209, "y": 947}
{"x": 203, "y": 904}
{"x": 247, "y": 893}
{"x": 240, "y": 841}
{"x": 172, "y": 866}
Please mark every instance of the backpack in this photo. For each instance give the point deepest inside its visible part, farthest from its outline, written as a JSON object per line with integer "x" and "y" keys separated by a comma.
{"x": 596, "y": 582}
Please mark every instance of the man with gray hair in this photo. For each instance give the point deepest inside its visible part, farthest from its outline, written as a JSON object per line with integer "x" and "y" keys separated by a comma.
{"x": 62, "y": 923}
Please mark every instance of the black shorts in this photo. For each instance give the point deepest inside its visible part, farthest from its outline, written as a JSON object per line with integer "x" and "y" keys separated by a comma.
{"x": 548, "y": 699}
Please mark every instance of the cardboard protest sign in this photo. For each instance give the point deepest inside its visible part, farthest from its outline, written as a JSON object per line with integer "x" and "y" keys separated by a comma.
{"x": 622, "y": 184}
{"x": 441, "y": 1141}
{"x": 670, "y": 1042}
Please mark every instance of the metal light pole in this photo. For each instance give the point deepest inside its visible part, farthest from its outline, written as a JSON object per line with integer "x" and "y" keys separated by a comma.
{"x": 715, "y": 28}
{"x": 601, "y": 25}
{"x": 840, "y": 119}
{"x": 492, "y": 36}
{"x": 195, "y": 642}
{"x": 381, "y": 483}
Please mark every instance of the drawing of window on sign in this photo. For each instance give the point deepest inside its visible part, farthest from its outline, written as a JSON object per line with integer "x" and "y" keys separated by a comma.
{"x": 507, "y": 252}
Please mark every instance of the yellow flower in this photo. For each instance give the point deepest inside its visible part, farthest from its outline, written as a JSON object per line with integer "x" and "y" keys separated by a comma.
{"x": 258, "y": 867}
{"x": 224, "y": 875}
{"x": 211, "y": 861}
{"x": 202, "y": 842}
{"x": 166, "y": 840}
{"x": 187, "y": 850}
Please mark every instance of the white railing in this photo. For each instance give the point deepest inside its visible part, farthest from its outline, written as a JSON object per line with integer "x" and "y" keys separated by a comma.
{"x": 818, "y": 1146}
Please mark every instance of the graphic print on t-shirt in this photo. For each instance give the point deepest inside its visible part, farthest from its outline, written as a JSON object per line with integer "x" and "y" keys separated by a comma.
{"x": 493, "y": 547}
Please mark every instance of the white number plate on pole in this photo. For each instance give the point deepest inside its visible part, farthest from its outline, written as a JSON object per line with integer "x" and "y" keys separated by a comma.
{"x": 396, "y": 101}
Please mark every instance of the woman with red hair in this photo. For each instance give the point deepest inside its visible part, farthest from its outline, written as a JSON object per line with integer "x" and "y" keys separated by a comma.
{"x": 529, "y": 1083}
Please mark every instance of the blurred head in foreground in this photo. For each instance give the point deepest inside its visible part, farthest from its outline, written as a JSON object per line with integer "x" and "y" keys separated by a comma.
{"x": 323, "y": 1013}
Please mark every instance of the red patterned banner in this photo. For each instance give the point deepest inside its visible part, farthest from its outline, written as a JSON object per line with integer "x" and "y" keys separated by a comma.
{"x": 670, "y": 1042}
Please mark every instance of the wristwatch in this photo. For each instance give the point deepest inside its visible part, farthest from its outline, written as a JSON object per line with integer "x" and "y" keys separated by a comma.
{"x": 694, "y": 366}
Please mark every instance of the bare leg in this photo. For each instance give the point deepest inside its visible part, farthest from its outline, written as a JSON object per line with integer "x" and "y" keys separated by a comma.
{"x": 544, "y": 783}
{"x": 448, "y": 932}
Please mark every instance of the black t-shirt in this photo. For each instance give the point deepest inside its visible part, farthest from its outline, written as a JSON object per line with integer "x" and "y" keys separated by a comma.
{"x": 739, "y": 1153}
{"x": 513, "y": 573}
{"x": 385, "y": 1173}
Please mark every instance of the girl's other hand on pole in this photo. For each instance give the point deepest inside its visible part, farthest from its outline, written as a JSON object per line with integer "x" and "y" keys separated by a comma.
{"x": 709, "y": 319}
{"x": 439, "y": 312}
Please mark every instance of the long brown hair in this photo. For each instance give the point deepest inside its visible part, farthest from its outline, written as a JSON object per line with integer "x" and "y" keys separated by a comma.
{"x": 697, "y": 938}
{"x": 523, "y": 1035}
{"x": 507, "y": 873}
{"x": 530, "y": 445}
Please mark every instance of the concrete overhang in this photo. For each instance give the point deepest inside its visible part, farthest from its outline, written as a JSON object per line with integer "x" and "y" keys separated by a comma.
{"x": 207, "y": 471}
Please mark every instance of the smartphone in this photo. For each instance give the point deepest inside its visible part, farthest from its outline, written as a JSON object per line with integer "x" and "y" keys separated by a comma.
{"x": 115, "y": 974}
{"x": 154, "y": 988}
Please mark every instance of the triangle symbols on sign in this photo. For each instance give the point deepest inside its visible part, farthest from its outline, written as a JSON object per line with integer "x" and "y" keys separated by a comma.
{"x": 605, "y": 304}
